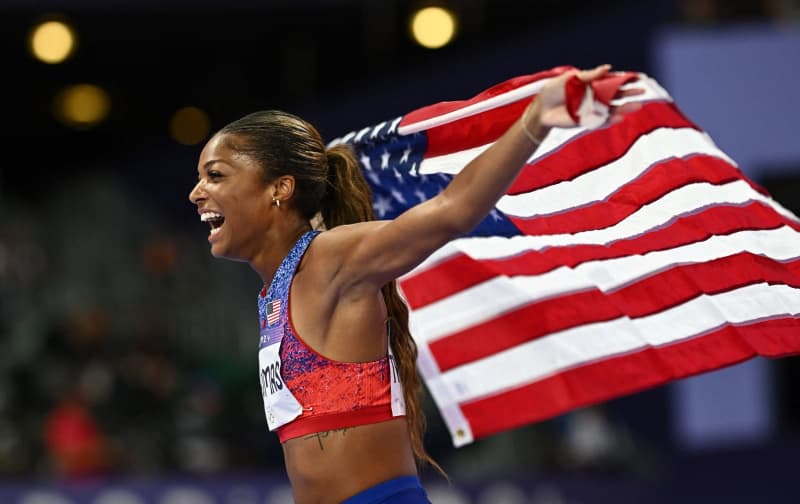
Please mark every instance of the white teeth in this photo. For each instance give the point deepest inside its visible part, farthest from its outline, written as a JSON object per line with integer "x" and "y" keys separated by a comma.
{"x": 214, "y": 231}
{"x": 207, "y": 216}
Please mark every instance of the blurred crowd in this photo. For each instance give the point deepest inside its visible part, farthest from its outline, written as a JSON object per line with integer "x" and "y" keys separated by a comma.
{"x": 112, "y": 358}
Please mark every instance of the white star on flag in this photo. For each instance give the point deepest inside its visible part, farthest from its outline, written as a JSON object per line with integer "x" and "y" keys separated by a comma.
{"x": 382, "y": 206}
{"x": 365, "y": 161}
{"x": 404, "y": 157}
{"x": 399, "y": 196}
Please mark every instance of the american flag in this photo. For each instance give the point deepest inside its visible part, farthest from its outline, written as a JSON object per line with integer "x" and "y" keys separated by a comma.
{"x": 273, "y": 311}
{"x": 621, "y": 258}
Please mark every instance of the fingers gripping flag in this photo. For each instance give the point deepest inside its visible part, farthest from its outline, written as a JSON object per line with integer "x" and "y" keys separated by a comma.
{"x": 621, "y": 258}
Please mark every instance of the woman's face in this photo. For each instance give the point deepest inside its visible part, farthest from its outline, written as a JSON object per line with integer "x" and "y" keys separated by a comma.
{"x": 233, "y": 198}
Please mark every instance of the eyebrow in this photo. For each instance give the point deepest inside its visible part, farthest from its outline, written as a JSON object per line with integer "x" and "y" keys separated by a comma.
{"x": 208, "y": 164}
{"x": 211, "y": 162}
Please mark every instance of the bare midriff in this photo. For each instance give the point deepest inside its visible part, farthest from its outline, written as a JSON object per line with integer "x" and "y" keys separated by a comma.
{"x": 328, "y": 467}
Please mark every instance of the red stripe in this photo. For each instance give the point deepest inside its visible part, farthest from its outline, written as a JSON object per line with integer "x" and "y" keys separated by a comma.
{"x": 630, "y": 373}
{"x": 714, "y": 221}
{"x": 481, "y": 129}
{"x": 446, "y": 278}
{"x": 674, "y": 286}
{"x": 438, "y": 109}
{"x": 598, "y": 147}
{"x": 521, "y": 325}
{"x": 651, "y": 185}
{"x": 575, "y": 92}
{"x": 474, "y": 131}
{"x": 429, "y": 285}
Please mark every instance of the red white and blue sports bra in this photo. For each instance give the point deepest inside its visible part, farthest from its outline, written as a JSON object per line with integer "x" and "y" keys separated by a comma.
{"x": 305, "y": 392}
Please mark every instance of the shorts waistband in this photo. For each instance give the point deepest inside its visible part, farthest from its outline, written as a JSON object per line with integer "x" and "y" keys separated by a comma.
{"x": 382, "y": 491}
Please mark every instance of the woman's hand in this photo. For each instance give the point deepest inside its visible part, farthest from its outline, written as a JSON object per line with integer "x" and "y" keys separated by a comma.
{"x": 549, "y": 109}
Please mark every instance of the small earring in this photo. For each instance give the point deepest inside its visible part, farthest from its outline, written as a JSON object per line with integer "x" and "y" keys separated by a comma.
{"x": 276, "y": 201}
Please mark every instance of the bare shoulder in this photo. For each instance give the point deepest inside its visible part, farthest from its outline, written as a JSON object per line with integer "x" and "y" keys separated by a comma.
{"x": 348, "y": 235}
{"x": 322, "y": 263}
{"x": 330, "y": 249}
{"x": 331, "y": 305}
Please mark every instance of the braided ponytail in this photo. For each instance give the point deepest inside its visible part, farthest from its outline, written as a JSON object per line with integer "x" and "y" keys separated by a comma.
{"x": 348, "y": 199}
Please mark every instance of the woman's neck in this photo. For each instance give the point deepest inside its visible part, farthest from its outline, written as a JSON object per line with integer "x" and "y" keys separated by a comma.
{"x": 279, "y": 241}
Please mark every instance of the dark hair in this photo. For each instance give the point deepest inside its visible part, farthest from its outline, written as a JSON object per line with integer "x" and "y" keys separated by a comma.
{"x": 330, "y": 181}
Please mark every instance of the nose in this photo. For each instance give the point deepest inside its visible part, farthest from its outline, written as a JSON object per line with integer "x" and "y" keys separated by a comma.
{"x": 197, "y": 194}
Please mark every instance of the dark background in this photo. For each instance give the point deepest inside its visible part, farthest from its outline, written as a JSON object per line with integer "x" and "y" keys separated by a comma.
{"x": 342, "y": 64}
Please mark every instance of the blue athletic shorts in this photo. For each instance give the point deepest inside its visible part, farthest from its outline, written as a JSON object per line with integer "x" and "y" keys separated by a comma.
{"x": 402, "y": 490}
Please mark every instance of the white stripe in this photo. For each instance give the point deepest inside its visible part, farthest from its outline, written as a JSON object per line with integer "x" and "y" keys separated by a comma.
{"x": 452, "y": 415}
{"x": 683, "y": 201}
{"x": 455, "y": 162}
{"x": 655, "y": 147}
{"x": 652, "y": 91}
{"x": 450, "y": 163}
{"x": 651, "y": 148}
{"x": 499, "y": 295}
{"x": 567, "y": 349}
{"x": 680, "y": 202}
{"x": 475, "y": 108}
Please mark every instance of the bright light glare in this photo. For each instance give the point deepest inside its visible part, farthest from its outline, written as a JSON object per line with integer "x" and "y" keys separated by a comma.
{"x": 52, "y": 42}
{"x": 433, "y": 27}
{"x": 189, "y": 126}
{"x": 82, "y": 105}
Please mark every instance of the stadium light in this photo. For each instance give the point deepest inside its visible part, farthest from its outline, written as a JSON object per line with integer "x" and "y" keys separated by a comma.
{"x": 189, "y": 126}
{"x": 82, "y": 105}
{"x": 52, "y": 41}
{"x": 433, "y": 27}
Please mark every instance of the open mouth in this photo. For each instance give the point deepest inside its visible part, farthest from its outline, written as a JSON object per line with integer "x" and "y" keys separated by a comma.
{"x": 215, "y": 220}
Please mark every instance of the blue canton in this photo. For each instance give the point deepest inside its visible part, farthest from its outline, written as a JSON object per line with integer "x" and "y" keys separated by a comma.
{"x": 391, "y": 162}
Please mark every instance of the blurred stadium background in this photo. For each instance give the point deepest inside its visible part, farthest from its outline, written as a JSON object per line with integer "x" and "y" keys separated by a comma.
{"x": 126, "y": 372}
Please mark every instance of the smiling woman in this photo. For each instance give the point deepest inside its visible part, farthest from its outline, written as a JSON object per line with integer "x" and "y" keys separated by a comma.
{"x": 349, "y": 399}
{"x": 336, "y": 360}
{"x": 228, "y": 179}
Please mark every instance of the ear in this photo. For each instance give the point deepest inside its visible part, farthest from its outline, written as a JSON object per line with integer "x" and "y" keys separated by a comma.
{"x": 283, "y": 188}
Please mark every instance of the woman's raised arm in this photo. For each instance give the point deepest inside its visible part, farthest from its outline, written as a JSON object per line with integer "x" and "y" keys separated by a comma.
{"x": 376, "y": 253}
